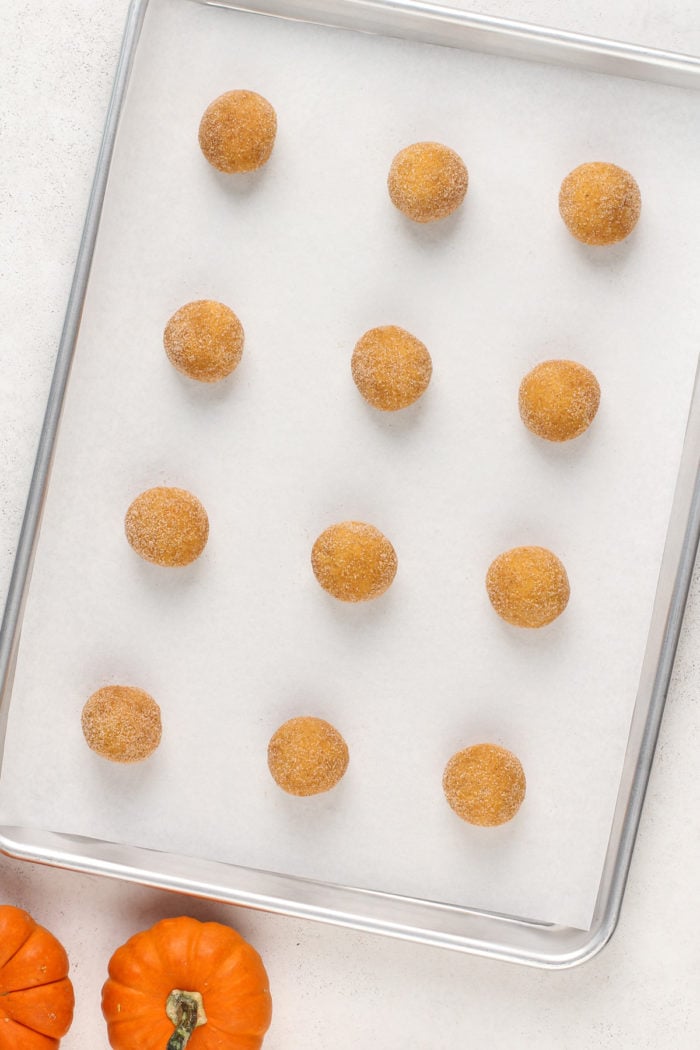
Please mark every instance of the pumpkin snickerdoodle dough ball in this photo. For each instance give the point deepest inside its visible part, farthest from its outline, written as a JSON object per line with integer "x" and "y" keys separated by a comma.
{"x": 237, "y": 131}
{"x": 167, "y": 526}
{"x": 353, "y": 561}
{"x": 307, "y": 756}
{"x": 204, "y": 340}
{"x": 121, "y": 723}
{"x": 484, "y": 784}
{"x": 600, "y": 203}
{"x": 558, "y": 400}
{"x": 391, "y": 368}
{"x": 528, "y": 586}
{"x": 427, "y": 181}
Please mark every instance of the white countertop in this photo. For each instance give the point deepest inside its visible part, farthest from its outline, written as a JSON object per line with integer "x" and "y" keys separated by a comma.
{"x": 330, "y": 987}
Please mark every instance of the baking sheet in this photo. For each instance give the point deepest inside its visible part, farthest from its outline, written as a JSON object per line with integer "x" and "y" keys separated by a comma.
{"x": 310, "y": 253}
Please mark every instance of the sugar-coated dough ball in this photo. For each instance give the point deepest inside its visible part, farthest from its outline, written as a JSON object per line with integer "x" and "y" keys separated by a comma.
{"x": 353, "y": 561}
{"x": 121, "y": 723}
{"x": 307, "y": 756}
{"x": 427, "y": 181}
{"x": 167, "y": 526}
{"x": 204, "y": 340}
{"x": 600, "y": 203}
{"x": 391, "y": 368}
{"x": 484, "y": 784}
{"x": 558, "y": 400}
{"x": 237, "y": 131}
{"x": 528, "y": 586}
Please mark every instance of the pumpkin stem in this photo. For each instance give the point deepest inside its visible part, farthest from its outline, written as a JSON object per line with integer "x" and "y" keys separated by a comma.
{"x": 186, "y": 1011}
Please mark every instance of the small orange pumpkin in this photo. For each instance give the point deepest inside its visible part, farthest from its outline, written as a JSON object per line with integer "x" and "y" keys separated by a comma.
{"x": 36, "y": 995}
{"x": 186, "y": 981}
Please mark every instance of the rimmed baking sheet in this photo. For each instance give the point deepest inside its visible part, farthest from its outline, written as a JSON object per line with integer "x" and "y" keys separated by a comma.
{"x": 310, "y": 253}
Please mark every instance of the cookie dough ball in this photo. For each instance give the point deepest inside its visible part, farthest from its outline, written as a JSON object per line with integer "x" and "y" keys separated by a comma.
{"x": 600, "y": 203}
{"x": 167, "y": 526}
{"x": 391, "y": 368}
{"x": 122, "y": 723}
{"x": 558, "y": 400}
{"x": 237, "y": 131}
{"x": 307, "y": 756}
{"x": 353, "y": 561}
{"x": 427, "y": 181}
{"x": 528, "y": 586}
{"x": 484, "y": 784}
{"x": 204, "y": 340}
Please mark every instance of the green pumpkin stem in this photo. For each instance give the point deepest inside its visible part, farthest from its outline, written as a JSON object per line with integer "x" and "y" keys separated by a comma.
{"x": 185, "y": 1011}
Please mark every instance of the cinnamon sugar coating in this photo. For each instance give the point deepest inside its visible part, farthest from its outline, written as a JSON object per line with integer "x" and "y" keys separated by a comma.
{"x": 353, "y": 561}
{"x": 237, "y": 131}
{"x": 427, "y": 181}
{"x": 600, "y": 203}
{"x": 307, "y": 756}
{"x": 528, "y": 586}
{"x": 204, "y": 340}
{"x": 484, "y": 784}
{"x": 558, "y": 400}
{"x": 167, "y": 526}
{"x": 121, "y": 723}
{"x": 391, "y": 368}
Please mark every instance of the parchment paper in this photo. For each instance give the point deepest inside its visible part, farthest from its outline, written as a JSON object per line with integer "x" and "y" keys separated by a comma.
{"x": 310, "y": 253}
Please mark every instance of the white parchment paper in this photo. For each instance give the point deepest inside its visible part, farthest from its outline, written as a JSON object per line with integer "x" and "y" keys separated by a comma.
{"x": 310, "y": 253}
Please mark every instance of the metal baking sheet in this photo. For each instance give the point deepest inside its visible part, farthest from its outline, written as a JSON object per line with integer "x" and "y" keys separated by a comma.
{"x": 275, "y": 458}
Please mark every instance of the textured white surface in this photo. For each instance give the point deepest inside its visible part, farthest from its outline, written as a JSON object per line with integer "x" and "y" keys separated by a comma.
{"x": 331, "y": 987}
